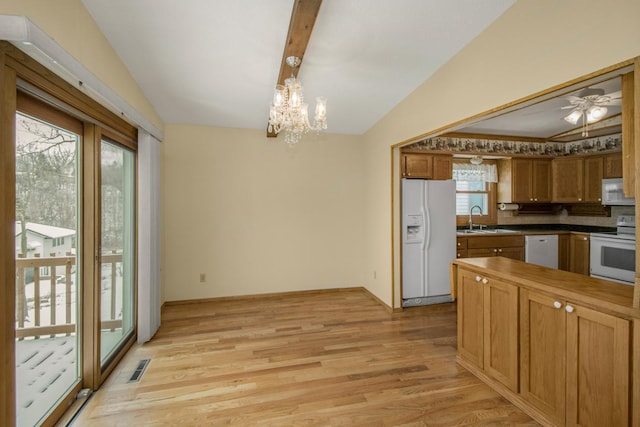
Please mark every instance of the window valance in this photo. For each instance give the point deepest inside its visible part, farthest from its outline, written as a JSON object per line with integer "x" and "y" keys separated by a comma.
{"x": 475, "y": 173}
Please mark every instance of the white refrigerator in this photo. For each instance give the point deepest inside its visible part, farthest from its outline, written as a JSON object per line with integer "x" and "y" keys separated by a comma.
{"x": 428, "y": 240}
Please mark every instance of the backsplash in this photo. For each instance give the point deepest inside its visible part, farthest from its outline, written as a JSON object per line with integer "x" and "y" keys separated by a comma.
{"x": 507, "y": 218}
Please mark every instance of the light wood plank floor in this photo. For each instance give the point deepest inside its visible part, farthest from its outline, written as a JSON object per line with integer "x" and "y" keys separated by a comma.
{"x": 317, "y": 359}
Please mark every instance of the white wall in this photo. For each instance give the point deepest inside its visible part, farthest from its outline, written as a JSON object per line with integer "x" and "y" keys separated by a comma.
{"x": 257, "y": 218}
{"x": 534, "y": 45}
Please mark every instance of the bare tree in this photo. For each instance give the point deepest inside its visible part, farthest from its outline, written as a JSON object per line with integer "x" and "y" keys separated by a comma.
{"x": 45, "y": 175}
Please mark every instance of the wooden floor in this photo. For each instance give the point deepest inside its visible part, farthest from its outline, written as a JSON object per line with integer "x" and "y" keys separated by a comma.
{"x": 318, "y": 359}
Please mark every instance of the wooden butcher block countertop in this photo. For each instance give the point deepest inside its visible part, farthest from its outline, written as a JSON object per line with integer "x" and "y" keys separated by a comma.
{"x": 602, "y": 295}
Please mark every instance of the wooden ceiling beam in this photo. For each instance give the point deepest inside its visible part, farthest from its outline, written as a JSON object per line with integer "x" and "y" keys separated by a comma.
{"x": 303, "y": 18}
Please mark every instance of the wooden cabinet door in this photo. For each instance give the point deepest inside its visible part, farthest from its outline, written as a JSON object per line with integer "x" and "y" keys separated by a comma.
{"x": 470, "y": 317}
{"x": 613, "y": 165}
{"x": 579, "y": 253}
{"x": 417, "y": 166}
{"x": 563, "y": 252}
{"x": 501, "y": 331}
{"x": 567, "y": 177}
{"x": 521, "y": 177}
{"x": 442, "y": 167}
{"x": 482, "y": 252}
{"x": 593, "y": 173}
{"x": 513, "y": 253}
{"x": 541, "y": 180}
{"x": 543, "y": 354}
{"x": 597, "y": 368}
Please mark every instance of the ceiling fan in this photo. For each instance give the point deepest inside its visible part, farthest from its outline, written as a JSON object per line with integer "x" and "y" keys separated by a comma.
{"x": 590, "y": 104}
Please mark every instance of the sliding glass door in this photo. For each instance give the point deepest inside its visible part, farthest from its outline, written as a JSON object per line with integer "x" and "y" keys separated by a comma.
{"x": 75, "y": 263}
{"x": 117, "y": 270}
{"x": 47, "y": 346}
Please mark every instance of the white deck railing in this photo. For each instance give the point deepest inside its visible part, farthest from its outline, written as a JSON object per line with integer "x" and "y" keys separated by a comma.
{"x": 43, "y": 299}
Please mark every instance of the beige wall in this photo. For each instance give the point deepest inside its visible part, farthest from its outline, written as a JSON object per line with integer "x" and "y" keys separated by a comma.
{"x": 533, "y": 46}
{"x": 73, "y": 28}
{"x": 256, "y": 218}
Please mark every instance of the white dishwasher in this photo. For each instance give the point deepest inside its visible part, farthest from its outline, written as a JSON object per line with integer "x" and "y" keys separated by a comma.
{"x": 541, "y": 250}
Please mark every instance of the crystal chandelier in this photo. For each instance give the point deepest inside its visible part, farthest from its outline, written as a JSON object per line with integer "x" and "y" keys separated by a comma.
{"x": 288, "y": 111}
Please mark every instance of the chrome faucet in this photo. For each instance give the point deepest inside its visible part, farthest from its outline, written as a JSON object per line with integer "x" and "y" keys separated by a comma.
{"x": 471, "y": 215}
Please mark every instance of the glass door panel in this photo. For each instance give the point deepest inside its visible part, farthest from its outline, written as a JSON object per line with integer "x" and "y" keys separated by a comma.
{"x": 117, "y": 272}
{"x": 47, "y": 267}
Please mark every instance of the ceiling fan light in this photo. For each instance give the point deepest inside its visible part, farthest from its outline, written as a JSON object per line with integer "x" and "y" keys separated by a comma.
{"x": 596, "y": 113}
{"x": 573, "y": 117}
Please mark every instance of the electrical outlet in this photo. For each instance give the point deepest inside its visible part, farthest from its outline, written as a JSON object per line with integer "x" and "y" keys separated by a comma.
{"x": 203, "y": 277}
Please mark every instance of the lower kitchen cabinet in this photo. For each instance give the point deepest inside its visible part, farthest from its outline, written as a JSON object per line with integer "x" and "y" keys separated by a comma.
{"x": 574, "y": 362}
{"x": 488, "y": 326}
{"x": 579, "y": 253}
{"x": 597, "y": 368}
{"x": 563, "y": 251}
{"x": 505, "y": 246}
{"x": 543, "y": 354}
{"x": 563, "y": 362}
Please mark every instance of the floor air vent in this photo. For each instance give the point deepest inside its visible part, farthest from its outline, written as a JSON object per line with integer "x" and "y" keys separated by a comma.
{"x": 137, "y": 374}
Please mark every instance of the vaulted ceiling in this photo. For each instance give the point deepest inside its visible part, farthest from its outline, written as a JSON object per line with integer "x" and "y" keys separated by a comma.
{"x": 215, "y": 62}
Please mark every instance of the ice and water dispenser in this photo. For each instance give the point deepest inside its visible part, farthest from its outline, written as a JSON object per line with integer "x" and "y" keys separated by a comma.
{"x": 414, "y": 229}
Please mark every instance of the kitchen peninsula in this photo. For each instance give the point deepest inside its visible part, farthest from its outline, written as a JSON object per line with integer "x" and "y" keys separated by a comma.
{"x": 562, "y": 346}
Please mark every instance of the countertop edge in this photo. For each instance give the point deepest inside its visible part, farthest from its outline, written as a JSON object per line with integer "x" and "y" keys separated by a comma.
{"x": 602, "y": 295}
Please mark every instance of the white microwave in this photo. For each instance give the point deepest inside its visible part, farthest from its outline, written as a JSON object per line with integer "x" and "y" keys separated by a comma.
{"x": 613, "y": 195}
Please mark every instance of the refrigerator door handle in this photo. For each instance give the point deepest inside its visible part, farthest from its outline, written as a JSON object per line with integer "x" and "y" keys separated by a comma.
{"x": 426, "y": 242}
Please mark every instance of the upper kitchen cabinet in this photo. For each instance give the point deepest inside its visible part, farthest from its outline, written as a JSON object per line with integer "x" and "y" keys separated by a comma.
{"x": 567, "y": 178}
{"x": 442, "y": 167}
{"x": 426, "y": 166}
{"x": 524, "y": 181}
{"x": 593, "y": 174}
{"x": 613, "y": 165}
{"x": 579, "y": 179}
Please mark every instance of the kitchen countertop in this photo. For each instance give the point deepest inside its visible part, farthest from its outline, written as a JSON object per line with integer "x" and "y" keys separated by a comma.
{"x": 596, "y": 293}
{"x": 523, "y": 229}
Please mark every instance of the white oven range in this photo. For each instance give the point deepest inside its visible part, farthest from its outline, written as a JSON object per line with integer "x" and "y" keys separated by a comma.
{"x": 613, "y": 255}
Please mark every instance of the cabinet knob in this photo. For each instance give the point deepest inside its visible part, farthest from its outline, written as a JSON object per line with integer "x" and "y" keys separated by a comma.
{"x": 499, "y": 250}
{"x": 569, "y": 308}
{"x": 585, "y": 238}
{"x": 531, "y": 199}
{"x": 408, "y": 173}
{"x": 579, "y": 199}
{"x": 485, "y": 281}
{"x": 458, "y": 255}
{"x": 459, "y": 244}
{"x": 599, "y": 199}
{"x": 495, "y": 250}
{"x": 557, "y": 304}
{"x": 478, "y": 278}
{"x": 535, "y": 200}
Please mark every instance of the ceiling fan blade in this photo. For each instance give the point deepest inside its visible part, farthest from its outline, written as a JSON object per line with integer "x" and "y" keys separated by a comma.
{"x": 574, "y": 99}
{"x": 567, "y": 107}
{"x": 617, "y": 101}
{"x": 614, "y": 95}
